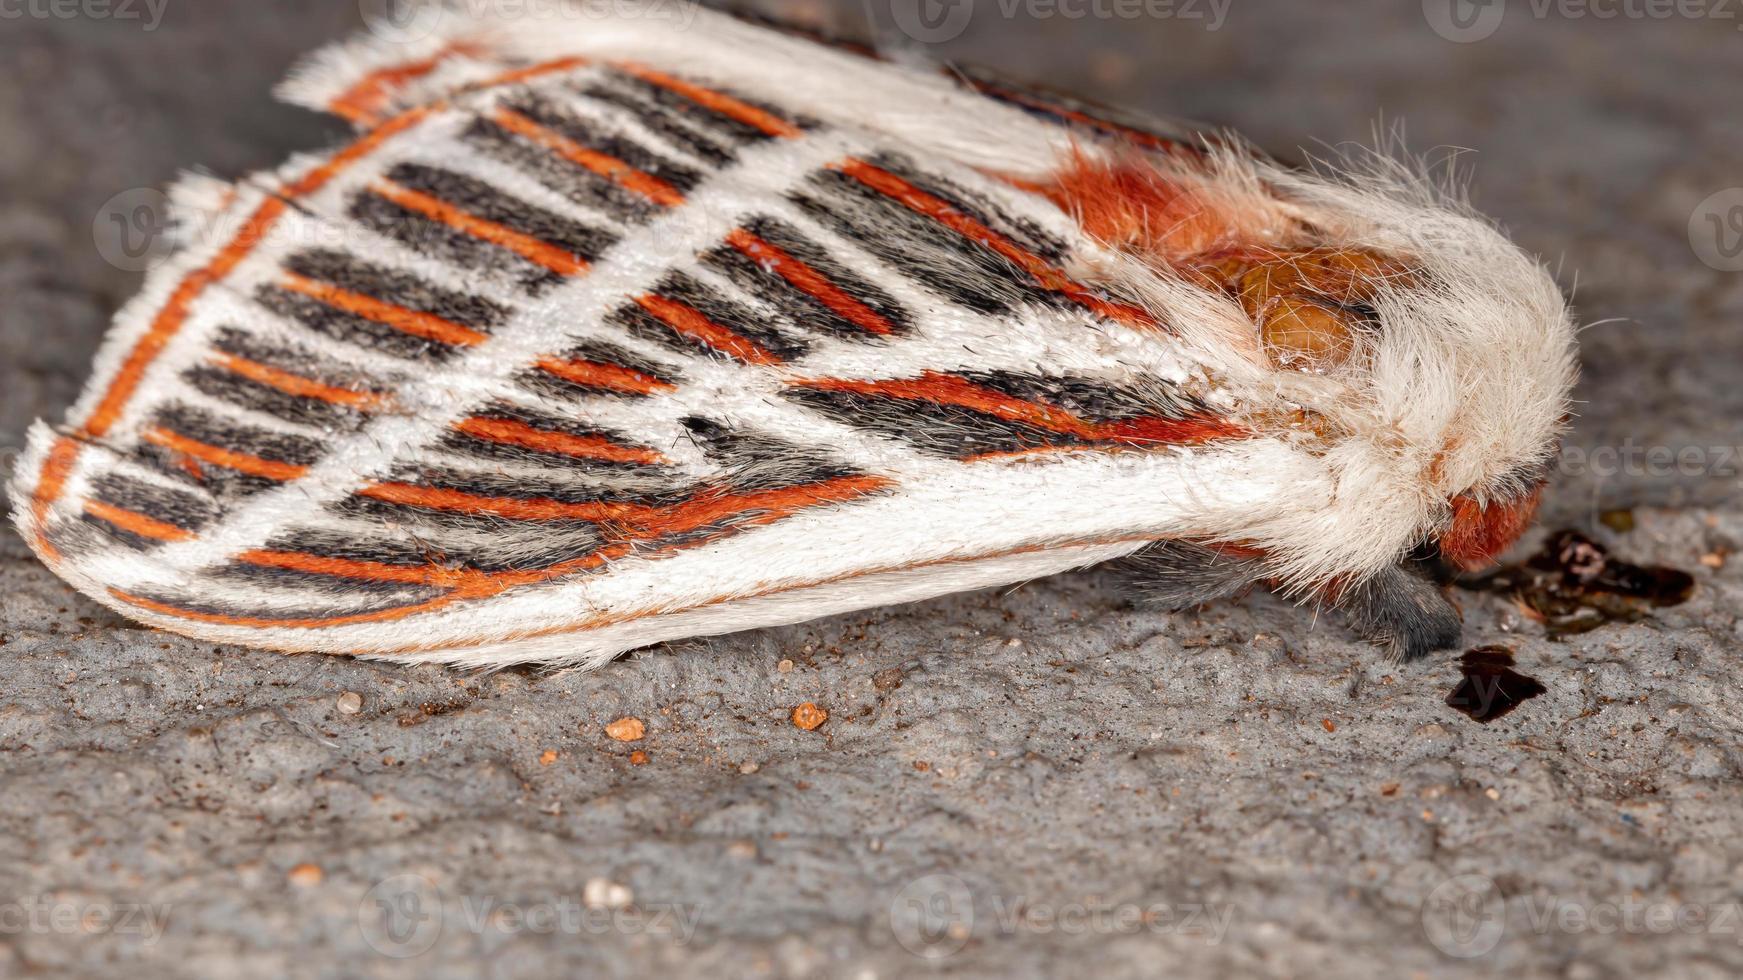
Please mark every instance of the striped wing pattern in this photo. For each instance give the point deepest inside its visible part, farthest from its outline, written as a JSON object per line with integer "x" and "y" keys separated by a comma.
{"x": 569, "y": 315}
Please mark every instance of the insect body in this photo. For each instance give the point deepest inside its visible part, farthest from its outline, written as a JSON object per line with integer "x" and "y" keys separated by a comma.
{"x": 600, "y": 337}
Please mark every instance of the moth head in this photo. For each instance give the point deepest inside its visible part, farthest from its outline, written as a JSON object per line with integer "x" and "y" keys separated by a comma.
{"x": 1432, "y": 357}
{"x": 1451, "y": 349}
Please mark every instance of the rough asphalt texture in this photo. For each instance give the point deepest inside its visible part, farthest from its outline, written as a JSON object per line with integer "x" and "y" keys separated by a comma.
{"x": 1244, "y": 789}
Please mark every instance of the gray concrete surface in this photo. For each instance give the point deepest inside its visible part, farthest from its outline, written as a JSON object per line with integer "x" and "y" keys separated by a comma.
{"x": 1052, "y": 782}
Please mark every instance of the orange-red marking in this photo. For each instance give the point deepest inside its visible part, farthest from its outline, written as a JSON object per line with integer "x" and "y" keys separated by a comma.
{"x": 169, "y": 319}
{"x": 360, "y": 103}
{"x": 558, "y": 260}
{"x": 612, "y": 377}
{"x": 691, "y": 323}
{"x": 241, "y": 462}
{"x": 512, "y": 433}
{"x": 372, "y": 571}
{"x": 513, "y": 508}
{"x": 708, "y": 508}
{"x": 720, "y": 102}
{"x": 415, "y": 322}
{"x": 603, "y": 164}
{"x": 946, "y": 389}
{"x": 1044, "y": 273}
{"x": 296, "y": 384}
{"x": 140, "y": 524}
{"x": 810, "y": 282}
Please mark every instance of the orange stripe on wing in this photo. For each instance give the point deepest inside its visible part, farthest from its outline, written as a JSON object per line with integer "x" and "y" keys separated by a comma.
{"x": 296, "y": 384}
{"x": 231, "y": 459}
{"x": 368, "y": 571}
{"x": 1043, "y": 272}
{"x": 690, "y": 323}
{"x": 415, "y": 322}
{"x": 513, "y": 508}
{"x": 360, "y": 103}
{"x": 140, "y": 524}
{"x": 174, "y": 313}
{"x": 560, "y": 261}
{"x": 56, "y": 470}
{"x": 512, "y": 433}
{"x": 768, "y": 506}
{"x": 948, "y": 389}
{"x": 603, "y": 164}
{"x": 720, "y": 102}
{"x": 612, "y": 377}
{"x": 810, "y": 282}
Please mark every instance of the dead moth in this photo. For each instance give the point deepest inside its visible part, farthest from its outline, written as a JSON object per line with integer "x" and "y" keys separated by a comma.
{"x": 613, "y": 330}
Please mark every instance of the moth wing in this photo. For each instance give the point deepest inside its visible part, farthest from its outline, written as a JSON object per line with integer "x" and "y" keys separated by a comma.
{"x": 595, "y": 340}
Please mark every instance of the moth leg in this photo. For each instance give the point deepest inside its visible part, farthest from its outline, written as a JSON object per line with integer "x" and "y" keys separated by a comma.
{"x": 1179, "y": 575}
{"x": 1403, "y": 612}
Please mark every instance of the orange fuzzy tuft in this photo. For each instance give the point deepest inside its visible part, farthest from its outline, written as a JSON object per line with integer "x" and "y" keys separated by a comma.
{"x": 1479, "y": 533}
{"x": 1130, "y": 204}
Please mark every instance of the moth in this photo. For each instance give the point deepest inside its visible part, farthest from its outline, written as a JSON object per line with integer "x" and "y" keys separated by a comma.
{"x": 615, "y": 330}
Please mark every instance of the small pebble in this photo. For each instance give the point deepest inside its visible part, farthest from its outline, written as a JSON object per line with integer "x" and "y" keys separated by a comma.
{"x": 638, "y": 758}
{"x": 350, "y": 703}
{"x": 627, "y": 729}
{"x": 306, "y": 875}
{"x": 603, "y": 893}
{"x": 809, "y": 717}
{"x": 547, "y": 757}
{"x": 785, "y": 666}
{"x": 1326, "y": 723}
{"x": 748, "y": 768}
